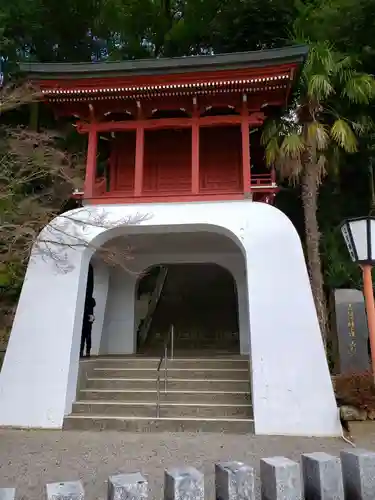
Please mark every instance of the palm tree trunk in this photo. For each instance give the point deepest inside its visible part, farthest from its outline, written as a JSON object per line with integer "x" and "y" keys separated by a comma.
{"x": 310, "y": 206}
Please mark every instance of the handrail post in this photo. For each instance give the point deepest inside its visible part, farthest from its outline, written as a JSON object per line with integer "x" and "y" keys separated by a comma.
{"x": 158, "y": 396}
{"x": 172, "y": 341}
{"x": 165, "y": 367}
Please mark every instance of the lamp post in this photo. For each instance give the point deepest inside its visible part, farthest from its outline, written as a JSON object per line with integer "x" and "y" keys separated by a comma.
{"x": 359, "y": 236}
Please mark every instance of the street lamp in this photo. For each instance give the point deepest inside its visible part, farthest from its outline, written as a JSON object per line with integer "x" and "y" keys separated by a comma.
{"x": 359, "y": 236}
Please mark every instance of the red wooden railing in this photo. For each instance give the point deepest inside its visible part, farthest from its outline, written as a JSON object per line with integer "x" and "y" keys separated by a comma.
{"x": 267, "y": 179}
{"x": 259, "y": 183}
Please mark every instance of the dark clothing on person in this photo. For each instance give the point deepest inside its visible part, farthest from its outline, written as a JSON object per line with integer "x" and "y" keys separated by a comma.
{"x": 86, "y": 338}
{"x": 90, "y": 303}
{"x": 87, "y": 325}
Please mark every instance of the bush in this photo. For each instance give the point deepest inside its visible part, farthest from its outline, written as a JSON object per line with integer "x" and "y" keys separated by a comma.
{"x": 356, "y": 389}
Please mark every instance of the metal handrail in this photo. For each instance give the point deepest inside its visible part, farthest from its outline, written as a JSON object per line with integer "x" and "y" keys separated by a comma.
{"x": 164, "y": 357}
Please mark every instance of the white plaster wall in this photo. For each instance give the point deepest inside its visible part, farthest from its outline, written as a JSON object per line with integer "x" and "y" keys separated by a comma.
{"x": 118, "y": 335}
{"x": 292, "y": 390}
{"x": 101, "y": 281}
{"x": 39, "y": 374}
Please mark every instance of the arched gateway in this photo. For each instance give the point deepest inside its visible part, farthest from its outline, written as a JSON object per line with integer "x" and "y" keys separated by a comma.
{"x": 198, "y": 300}
{"x": 192, "y": 177}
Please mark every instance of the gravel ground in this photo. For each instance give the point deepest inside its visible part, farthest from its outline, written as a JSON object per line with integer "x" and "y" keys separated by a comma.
{"x": 30, "y": 459}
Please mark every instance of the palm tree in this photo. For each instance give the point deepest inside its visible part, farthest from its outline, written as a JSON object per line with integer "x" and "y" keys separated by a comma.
{"x": 303, "y": 144}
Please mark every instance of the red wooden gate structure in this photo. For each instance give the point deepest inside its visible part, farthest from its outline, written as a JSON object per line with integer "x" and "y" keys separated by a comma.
{"x": 183, "y": 129}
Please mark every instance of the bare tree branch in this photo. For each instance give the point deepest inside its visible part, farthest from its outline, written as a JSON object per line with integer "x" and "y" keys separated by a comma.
{"x": 36, "y": 180}
{"x": 14, "y": 96}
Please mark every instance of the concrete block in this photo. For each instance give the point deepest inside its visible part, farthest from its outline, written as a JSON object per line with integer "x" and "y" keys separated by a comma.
{"x": 322, "y": 477}
{"x": 358, "y": 469}
{"x": 280, "y": 479}
{"x": 234, "y": 481}
{"x": 72, "y": 490}
{"x": 131, "y": 486}
{"x": 183, "y": 483}
{"x": 7, "y": 493}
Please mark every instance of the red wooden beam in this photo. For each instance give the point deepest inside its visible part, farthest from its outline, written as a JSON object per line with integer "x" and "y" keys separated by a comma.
{"x": 164, "y": 198}
{"x": 205, "y": 121}
{"x": 176, "y": 78}
{"x": 195, "y": 149}
{"x": 245, "y": 132}
{"x": 139, "y": 157}
{"x": 91, "y": 162}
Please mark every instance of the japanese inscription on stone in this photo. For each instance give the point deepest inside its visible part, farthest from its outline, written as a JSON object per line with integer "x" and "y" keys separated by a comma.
{"x": 352, "y": 331}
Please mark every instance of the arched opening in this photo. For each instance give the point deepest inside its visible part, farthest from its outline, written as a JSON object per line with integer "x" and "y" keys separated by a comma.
{"x": 199, "y": 300}
{"x": 195, "y": 280}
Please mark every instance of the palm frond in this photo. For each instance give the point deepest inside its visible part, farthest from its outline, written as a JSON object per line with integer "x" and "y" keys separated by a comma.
{"x": 319, "y": 87}
{"x": 362, "y": 125}
{"x": 272, "y": 151}
{"x": 343, "y": 135}
{"x": 292, "y": 146}
{"x": 334, "y": 159}
{"x": 344, "y": 63}
{"x": 360, "y": 89}
{"x": 344, "y": 69}
{"x": 289, "y": 168}
{"x": 321, "y": 60}
{"x": 317, "y": 134}
{"x": 270, "y": 130}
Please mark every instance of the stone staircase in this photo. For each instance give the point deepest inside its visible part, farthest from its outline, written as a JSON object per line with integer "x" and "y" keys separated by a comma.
{"x": 203, "y": 394}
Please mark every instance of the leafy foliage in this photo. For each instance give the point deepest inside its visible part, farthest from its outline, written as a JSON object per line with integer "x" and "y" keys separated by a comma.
{"x": 302, "y": 145}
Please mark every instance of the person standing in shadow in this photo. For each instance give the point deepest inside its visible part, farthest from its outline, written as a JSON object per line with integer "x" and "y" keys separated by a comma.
{"x": 88, "y": 315}
{"x": 88, "y": 320}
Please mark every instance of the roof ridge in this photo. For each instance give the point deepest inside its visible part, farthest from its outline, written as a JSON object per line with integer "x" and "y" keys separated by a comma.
{"x": 236, "y": 60}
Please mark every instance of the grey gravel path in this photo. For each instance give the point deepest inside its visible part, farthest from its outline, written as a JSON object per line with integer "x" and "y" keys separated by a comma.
{"x": 30, "y": 459}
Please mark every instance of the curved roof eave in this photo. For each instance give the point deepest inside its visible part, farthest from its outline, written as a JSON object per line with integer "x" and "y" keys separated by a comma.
{"x": 260, "y": 58}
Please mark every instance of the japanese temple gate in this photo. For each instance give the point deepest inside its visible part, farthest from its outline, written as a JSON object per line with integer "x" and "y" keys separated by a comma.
{"x": 183, "y": 146}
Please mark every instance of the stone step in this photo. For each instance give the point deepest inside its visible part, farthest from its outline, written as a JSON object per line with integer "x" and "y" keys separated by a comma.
{"x": 146, "y": 363}
{"x": 134, "y": 409}
{"x": 145, "y": 424}
{"x": 146, "y": 396}
{"x": 172, "y": 384}
{"x": 173, "y": 372}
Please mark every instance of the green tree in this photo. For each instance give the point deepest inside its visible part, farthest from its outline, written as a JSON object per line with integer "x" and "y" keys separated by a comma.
{"x": 304, "y": 144}
{"x": 79, "y": 30}
{"x": 348, "y": 24}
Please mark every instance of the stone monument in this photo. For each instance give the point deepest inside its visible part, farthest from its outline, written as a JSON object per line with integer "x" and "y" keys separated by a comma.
{"x": 352, "y": 331}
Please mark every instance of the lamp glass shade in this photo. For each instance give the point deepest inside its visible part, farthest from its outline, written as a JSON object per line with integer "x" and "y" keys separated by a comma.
{"x": 358, "y": 229}
{"x": 349, "y": 244}
{"x": 359, "y": 236}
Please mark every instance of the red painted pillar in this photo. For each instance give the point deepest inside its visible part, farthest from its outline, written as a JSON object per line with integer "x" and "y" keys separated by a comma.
{"x": 92, "y": 149}
{"x": 195, "y": 156}
{"x": 139, "y": 157}
{"x": 368, "y": 291}
{"x": 245, "y": 131}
